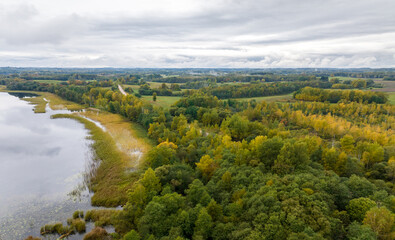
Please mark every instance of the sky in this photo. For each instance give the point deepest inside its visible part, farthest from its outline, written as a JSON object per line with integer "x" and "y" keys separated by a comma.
{"x": 197, "y": 33}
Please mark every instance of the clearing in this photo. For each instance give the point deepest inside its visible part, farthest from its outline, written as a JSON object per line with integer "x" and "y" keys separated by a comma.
{"x": 276, "y": 98}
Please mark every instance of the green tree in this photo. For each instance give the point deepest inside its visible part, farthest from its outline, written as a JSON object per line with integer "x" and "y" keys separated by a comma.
{"x": 150, "y": 181}
{"x": 154, "y": 96}
{"x": 356, "y": 231}
{"x": 292, "y": 155}
{"x": 197, "y": 193}
{"x": 360, "y": 186}
{"x": 160, "y": 155}
{"x": 358, "y": 207}
{"x": 347, "y": 143}
{"x": 329, "y": 158}
{"x": 391, "y": 168}
{"x": 203, "y": 225}
{"x": 227, "y": 180}
{"x": 236, "y": 126}
{"x": 215, "y": 210}
{"x": 132, "y": 235}
{"x": 268, "y": 151}
{"x": 370, "y": 153}
{"x": 160, "y": 215}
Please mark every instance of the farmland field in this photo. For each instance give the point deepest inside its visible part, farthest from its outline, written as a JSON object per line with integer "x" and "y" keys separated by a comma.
{"x": 162, "y": 101}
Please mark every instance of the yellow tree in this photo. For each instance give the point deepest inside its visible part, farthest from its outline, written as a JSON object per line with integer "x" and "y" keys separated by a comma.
{"x": 207, "y": 166}
{"x": 381, "y": 220}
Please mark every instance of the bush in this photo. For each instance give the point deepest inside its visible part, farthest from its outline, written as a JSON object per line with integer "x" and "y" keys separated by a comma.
{"x": 33, "y": 238}
{"x": 97, "y": 233}
{"x": 132, "y": 235}
{"x": 101, "y": 217}
{"x": 55, "y": 228}
{"x": 78, "y": 225}
{"x": 78, "y": 214}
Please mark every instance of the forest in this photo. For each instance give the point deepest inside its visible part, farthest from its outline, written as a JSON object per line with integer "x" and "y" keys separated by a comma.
{"x": 318, "y": 166}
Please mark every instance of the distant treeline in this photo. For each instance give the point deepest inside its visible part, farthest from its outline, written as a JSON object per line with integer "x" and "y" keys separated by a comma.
{"x": 262, "y": 89}
{"x": 357, "y": 83}
{"x": 384, "y": 74}
{"x": 233, "y": 78}
{"x": 174, "y": 90}
{"x": 4, "y": 81}
{"x": 21, "y": 84}
{"x": 389, "y": 78}
{"x": 335, "y": 96}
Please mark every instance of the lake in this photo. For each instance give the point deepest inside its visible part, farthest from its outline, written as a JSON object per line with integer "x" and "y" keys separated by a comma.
{"x": 42, "y": 160}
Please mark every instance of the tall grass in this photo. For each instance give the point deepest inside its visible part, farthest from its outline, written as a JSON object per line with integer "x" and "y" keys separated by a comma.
{"x": 38, "y": 102}
{"x": 57, "y": 103}
{"x": 130, "y": 138}
{"x": 110, "y": 181}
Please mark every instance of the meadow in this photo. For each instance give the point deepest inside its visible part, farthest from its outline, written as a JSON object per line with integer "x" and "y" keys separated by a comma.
{"x": 277, "y": 98}
{"x": 162, "y": 101}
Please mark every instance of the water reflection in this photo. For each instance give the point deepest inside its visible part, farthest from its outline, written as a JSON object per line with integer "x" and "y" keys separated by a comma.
{"x": 22, "y": 94}
{"x": 41, "y": 161}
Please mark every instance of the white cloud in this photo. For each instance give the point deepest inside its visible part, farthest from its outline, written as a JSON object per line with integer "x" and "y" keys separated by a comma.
{"x": 193, "y": 33}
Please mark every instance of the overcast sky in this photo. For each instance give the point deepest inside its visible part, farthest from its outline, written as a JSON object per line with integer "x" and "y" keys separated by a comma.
{"x": 197, "y": 33}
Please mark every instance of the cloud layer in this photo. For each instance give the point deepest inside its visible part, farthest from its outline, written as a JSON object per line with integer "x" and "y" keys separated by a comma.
{"x": 186, "y": 33}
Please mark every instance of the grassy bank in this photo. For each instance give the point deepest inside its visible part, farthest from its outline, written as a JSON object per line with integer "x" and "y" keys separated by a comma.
{"x": 130, "y": 138}
{"x": 111, "y": 180}
{"x": 57, "y": 103}
{"x": 40, "y": 102}
{"x": 120, "y": 148}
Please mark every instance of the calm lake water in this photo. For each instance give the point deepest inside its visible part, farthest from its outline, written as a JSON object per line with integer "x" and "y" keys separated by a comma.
{"x": 41, "y": 161}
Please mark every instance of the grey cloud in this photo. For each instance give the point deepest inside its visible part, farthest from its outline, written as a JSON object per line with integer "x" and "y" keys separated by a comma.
{"x": 22, "y": 25}
{"x": 18, "y": 13}
{"x": 220, "y": 33}
{"x": 288, "y": 20}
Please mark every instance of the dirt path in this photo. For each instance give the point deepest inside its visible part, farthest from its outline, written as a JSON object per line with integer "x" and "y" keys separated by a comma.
{"x": 121, "y": 90}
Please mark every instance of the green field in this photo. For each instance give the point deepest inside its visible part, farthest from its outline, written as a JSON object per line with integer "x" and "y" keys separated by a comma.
{"x": 152, "y": 85}
{"x": 278, "y": 98}
{"x": 350, "y": 78}
{"x": 162, "y": 101}
{"x": 134, "y": 87}
{"x": 391, "y": 97}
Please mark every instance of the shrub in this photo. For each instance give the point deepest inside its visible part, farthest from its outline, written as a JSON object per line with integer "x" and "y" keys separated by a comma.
{"x": 97, "y": 233}
{"x": 78, "y": 214}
